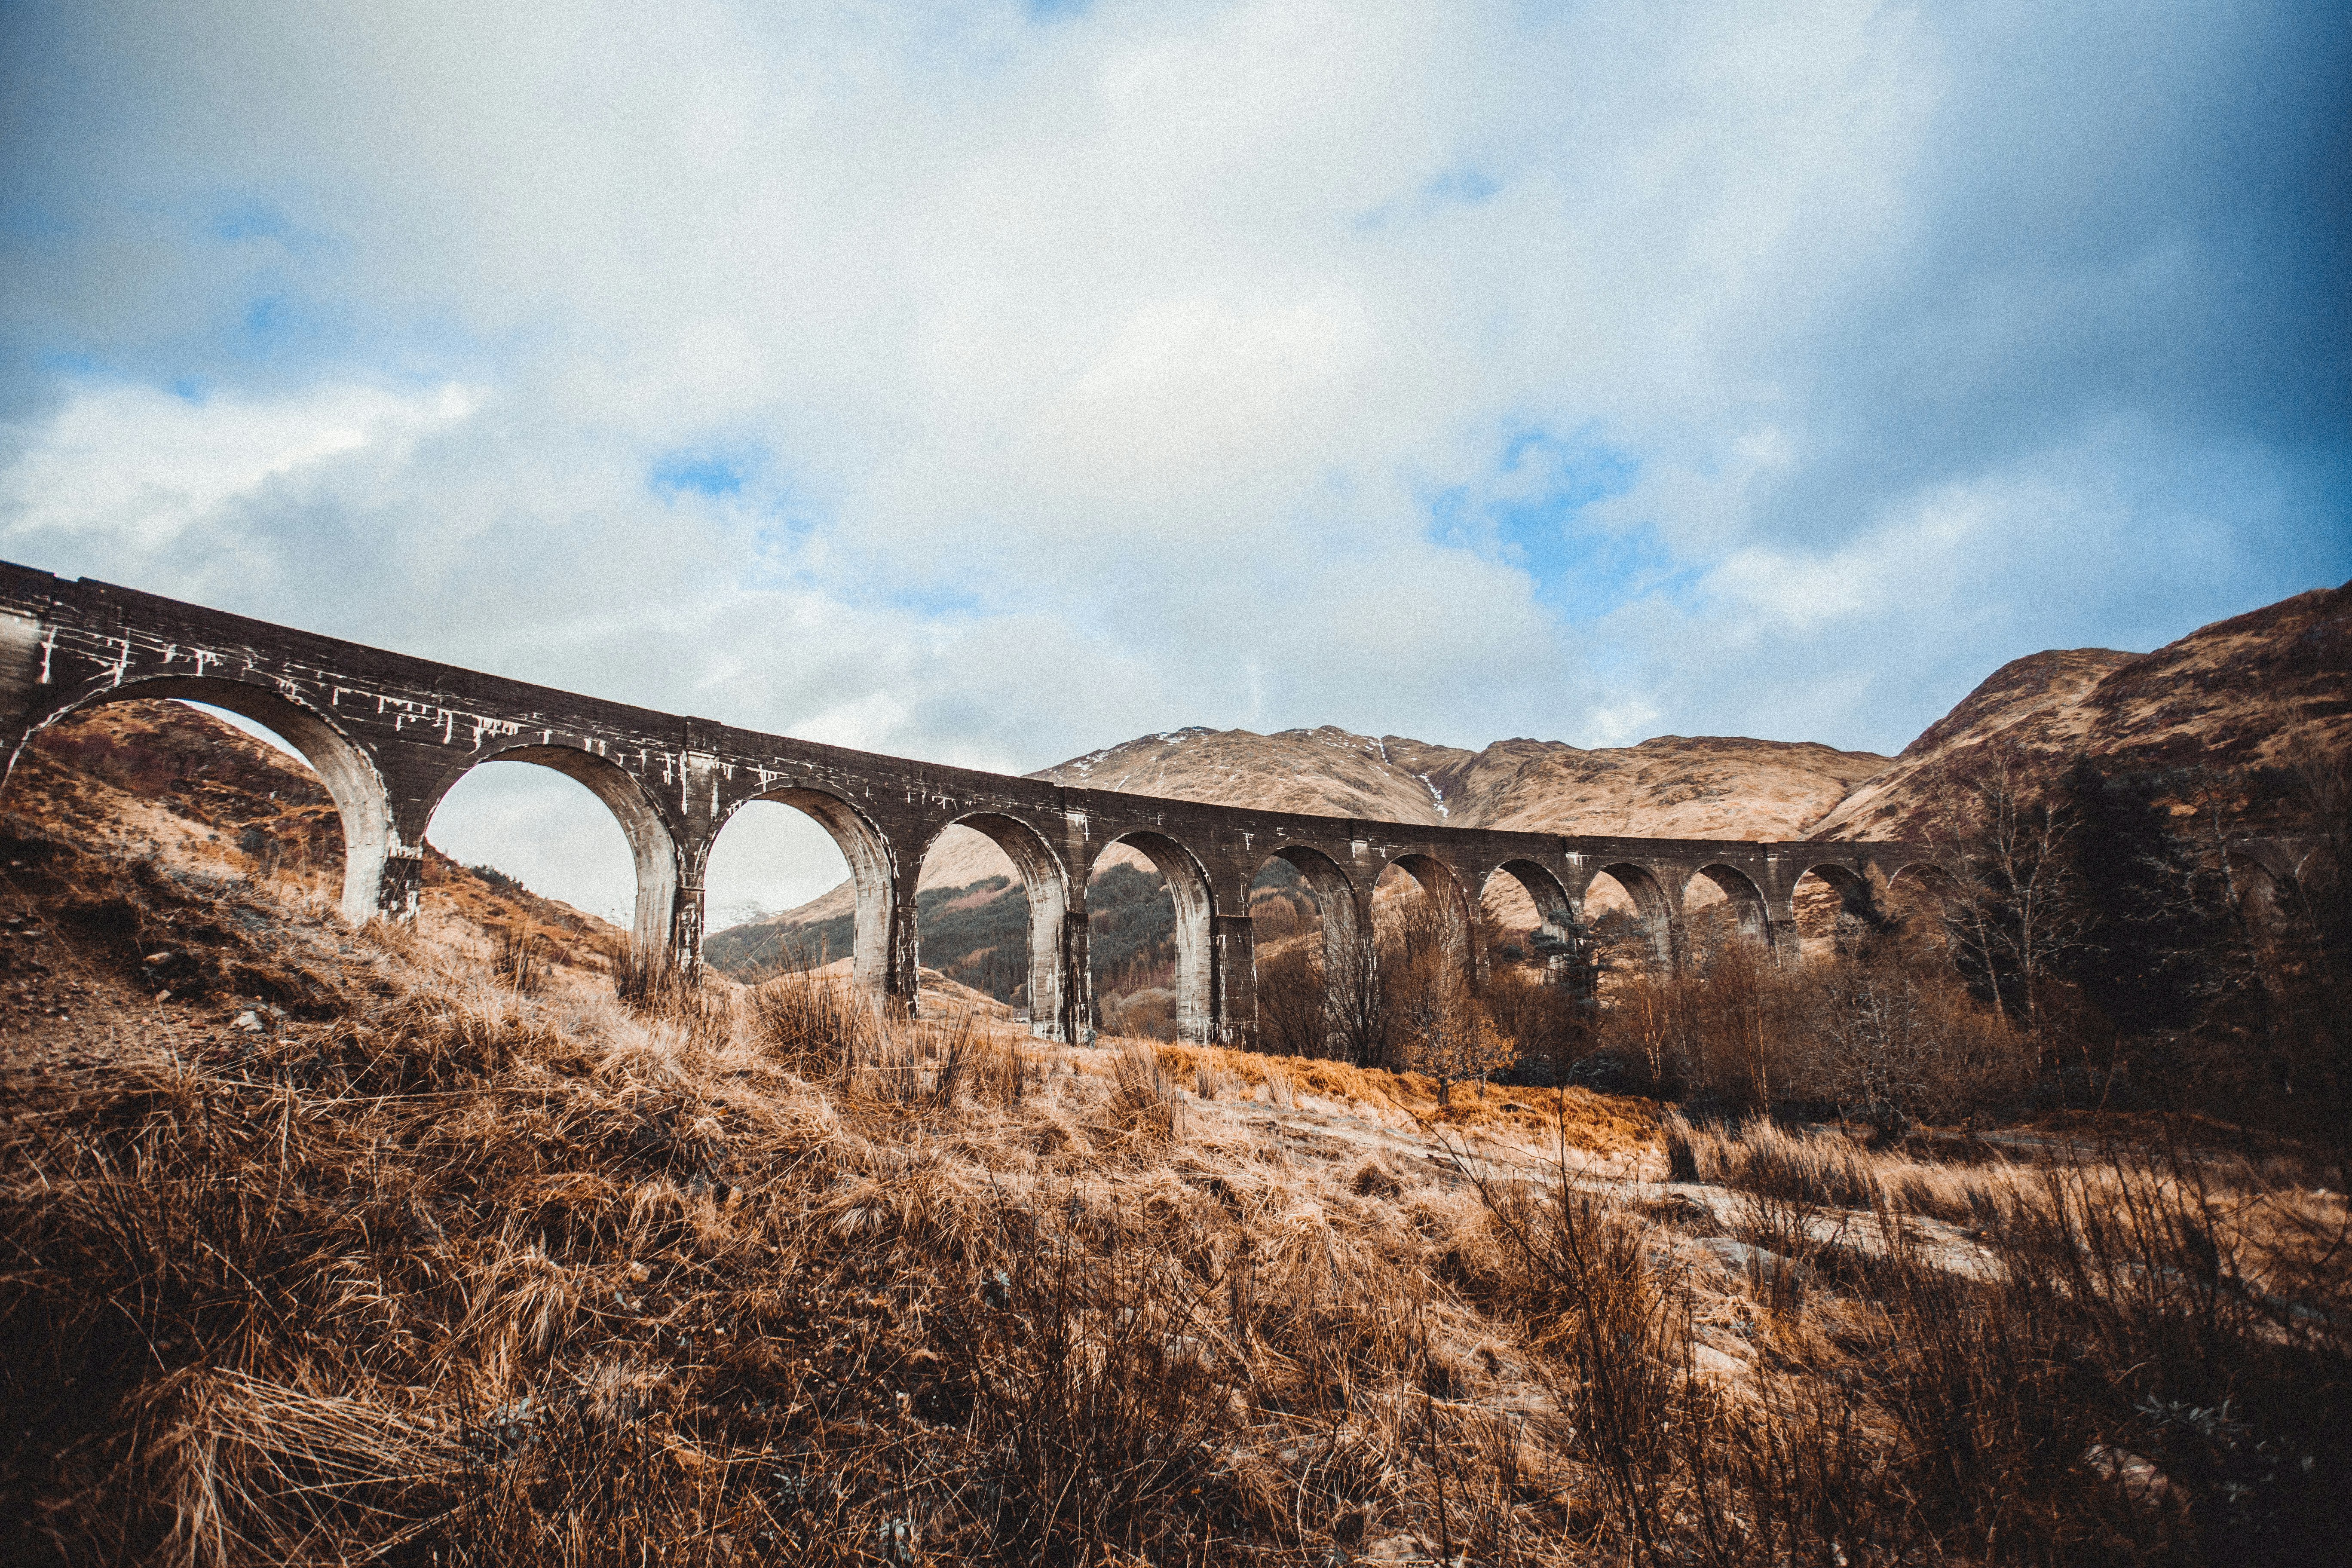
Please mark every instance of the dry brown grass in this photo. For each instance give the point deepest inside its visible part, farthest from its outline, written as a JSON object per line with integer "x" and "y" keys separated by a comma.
{"x": 455, "y": 1272}
{"x": 1601, "y": 1123}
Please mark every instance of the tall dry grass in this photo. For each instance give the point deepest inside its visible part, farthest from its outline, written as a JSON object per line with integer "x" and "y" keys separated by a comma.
{"x": 462, "y": 1274}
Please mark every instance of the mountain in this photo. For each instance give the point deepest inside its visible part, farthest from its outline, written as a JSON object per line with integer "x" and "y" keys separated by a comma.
{"x": 2241, "y": 696}
{"x": 1672, "y": 786}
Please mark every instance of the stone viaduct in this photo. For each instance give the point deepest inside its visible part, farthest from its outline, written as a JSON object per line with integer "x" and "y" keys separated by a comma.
{"x": 389, "y": 735}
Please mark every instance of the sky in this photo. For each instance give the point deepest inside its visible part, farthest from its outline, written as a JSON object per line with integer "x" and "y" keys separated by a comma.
{"x": 990, "y": 383}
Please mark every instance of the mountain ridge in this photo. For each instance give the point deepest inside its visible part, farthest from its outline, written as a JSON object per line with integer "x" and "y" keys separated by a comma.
{"x": 2242, "y": 696}
{"x": 2245, "y": 692}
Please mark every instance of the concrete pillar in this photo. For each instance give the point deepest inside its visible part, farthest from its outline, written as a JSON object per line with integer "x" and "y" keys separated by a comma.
{"x": 1196, "y": 985}
{"x": 688, "y": 916}
{"x": 1048, "y": 980}
{"x": 383, "y": 859}
{"x": 398, "y": 875}
{"x": 1674, "y": 943}
{"x": 1233, "y": 979}
{"x": 902, "y": 972}
{"x": 20, "y": 680}
{"x": 1073, "y": 1017}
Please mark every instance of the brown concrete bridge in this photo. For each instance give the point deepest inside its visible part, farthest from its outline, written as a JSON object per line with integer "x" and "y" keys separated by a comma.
{"x": 389, "y": 734}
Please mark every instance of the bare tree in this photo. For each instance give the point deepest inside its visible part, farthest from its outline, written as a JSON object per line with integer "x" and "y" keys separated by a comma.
{"x": 1439, "y": 1027}
{"x": 2012, "y": 908}
{"x": 1293, "y": 1011}
{"x": 1355, "y": 1022}
{"x": 1430, "y": 1009}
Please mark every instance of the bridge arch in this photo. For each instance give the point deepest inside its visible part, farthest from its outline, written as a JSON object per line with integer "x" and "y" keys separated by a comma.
{"x": 1046, "y": 883}
{"x": 1556, "y": 913}
{"x": 2262, "y": 889}
{"x": 1746, "y": 899}
{"x": 1857, "y": 898}
{"x": 865, "y": 849}
{"x": 1853, "y": 888}
{"x": 1652, "y": 904}
{"x": 653, "y": 848}
{"x": 1189, "y": 888}
{"x": 1350, "y": 965}
{"x": 1921, "y": 876}
{"x": 1334, "y": 893}
{"x": 1448, "y": 895}
{"x": 352, "y": 781}
{"x": 1560, "y": 936}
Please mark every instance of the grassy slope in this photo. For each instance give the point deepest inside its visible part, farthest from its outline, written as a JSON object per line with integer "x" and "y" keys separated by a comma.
{"x": 434, "y": 1270}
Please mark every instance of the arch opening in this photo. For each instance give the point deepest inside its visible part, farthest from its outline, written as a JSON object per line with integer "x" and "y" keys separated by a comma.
{"x": 778, "y": 895}
{"x": 520, "y": 821}
{"x": 1433, "y": 892}
{"x": 1541, "y": 974}
{"x": 1002, "y": 935}
{"x": 1533, "y": 930}
{"x": 1917, "y": 895}
{"x": 345, "y": 773}
{"x": 1721, "y": 904}
{"x": 1920, "y": 876}
{"x": 1286, "y": 944}
{"x": 2257, "y": 888}
{"x": 1433, "y": 1016}
{"x": 1534, "y": 919}
{"x": 863, "y": 915}
{"x": 1317, "y": 985}
{"x": 1631, "y": 917}
{"x": 1423, "y": 926}
{"x": 1832, "y": 906}
{"x": 1148, "y": 940}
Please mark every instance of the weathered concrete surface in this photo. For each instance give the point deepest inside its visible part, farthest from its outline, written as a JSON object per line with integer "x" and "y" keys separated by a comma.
{"x": 389, "y": 734}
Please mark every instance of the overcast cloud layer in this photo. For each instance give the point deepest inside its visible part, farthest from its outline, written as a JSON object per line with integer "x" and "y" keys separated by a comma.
{"x": 987, "y": 385}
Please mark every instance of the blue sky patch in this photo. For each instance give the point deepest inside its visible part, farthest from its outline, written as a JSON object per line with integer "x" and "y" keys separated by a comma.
{"x": 245, "y": 219}
{"x": 249, "y": 219}
{"x": 1464, "y": 186}
{"x": 25, "y": 219}
{"x": 1460, "y": 187}
{"x": 1530, "y": 515}
{"x": 701, "y": 472}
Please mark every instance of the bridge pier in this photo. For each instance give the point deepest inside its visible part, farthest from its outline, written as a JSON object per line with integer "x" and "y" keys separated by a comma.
{"x": 1072, "y": 1016}
{"x": 1233, "y": 980}
{"x": 902, "y": 973}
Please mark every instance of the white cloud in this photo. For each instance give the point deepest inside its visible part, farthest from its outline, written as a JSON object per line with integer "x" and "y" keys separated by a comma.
{"x": 135, "y": 467}
{"x": 1093, "y": 378}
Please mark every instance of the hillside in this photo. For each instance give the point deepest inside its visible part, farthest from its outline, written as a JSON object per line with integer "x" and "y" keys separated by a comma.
{"x": 2240, "y": 696}
{"x": 1671, "y": 786}
{"x": 345, "y": 1244}
{"x": 166, "y": 780}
